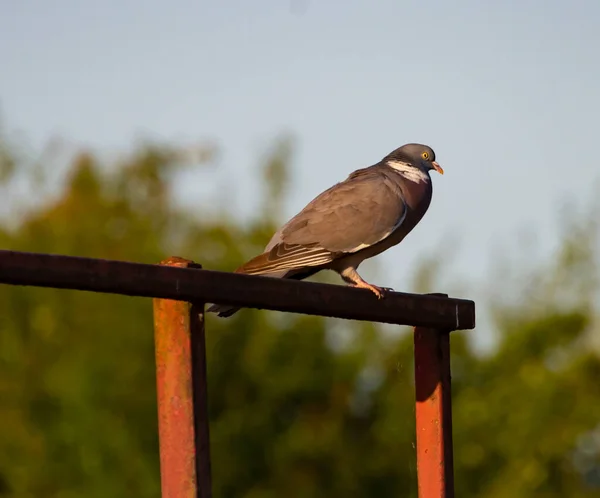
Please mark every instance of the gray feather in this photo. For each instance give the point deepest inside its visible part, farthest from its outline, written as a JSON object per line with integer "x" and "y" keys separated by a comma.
{"x": 356, "y": 213}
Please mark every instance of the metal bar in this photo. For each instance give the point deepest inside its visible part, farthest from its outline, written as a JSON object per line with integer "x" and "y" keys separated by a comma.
{"x": 182, "y": 393}
{"x": 118, "y": 277}
{"x": 200, "y": 397}
{"x": 435, "y": 463}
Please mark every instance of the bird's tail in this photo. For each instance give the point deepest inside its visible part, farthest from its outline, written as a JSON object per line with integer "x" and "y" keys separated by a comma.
{"x": 223, "y": 310}
{"x": 252, "y": 267}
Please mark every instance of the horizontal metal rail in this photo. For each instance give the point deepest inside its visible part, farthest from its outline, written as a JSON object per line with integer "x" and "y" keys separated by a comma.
{"x": 181, "y": 356}
{"x": 194, "y": 285}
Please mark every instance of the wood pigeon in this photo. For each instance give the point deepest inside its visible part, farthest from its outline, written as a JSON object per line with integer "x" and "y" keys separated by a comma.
{"x": 367, "y": 213}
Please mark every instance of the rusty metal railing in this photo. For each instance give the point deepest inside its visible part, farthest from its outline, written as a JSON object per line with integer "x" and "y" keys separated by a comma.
{"x": 181, "y": 288}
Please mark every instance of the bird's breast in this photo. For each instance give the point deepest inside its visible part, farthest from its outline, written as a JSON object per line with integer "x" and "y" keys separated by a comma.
{"x": 417, "y": 197}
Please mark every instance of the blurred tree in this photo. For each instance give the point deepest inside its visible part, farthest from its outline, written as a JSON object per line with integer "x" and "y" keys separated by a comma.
{"x": 300, "y": 406}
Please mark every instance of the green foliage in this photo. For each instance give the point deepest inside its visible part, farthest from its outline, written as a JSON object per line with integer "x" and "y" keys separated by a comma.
{"x": 299, "y": 406}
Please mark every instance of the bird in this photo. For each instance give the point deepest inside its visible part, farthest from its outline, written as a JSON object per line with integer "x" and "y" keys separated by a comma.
{"x": 373, "y": 209}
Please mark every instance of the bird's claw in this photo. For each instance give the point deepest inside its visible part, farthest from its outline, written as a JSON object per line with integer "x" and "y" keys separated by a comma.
{"x": 378, "y": 291}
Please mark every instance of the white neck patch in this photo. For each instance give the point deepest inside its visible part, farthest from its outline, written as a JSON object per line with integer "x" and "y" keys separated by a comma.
{"x": 409, "y": 172}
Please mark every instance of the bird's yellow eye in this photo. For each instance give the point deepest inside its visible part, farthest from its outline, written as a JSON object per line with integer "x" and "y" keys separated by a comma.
{"x": 425, "y": 155}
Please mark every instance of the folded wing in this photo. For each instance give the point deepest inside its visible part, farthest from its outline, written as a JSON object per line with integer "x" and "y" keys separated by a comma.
{"x": 350, "y": 216}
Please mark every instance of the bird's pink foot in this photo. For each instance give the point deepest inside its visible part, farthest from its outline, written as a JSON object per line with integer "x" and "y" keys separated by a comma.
{"x": 351, "y": 276}
{"x": 378, "y": 291}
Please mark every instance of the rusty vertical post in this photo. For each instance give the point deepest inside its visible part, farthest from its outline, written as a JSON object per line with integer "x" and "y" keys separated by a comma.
{"x": 435, "y": 463}
{"x": 182, "y": 396}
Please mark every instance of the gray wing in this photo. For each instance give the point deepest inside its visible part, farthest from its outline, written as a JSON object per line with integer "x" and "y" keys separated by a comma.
{"x": 350, "y": 216}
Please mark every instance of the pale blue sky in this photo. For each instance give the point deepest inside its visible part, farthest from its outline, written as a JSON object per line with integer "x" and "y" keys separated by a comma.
{"x": 507, "y": 93}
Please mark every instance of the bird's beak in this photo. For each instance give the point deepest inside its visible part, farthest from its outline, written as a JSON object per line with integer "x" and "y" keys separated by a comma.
{"x": 437, "y": 167}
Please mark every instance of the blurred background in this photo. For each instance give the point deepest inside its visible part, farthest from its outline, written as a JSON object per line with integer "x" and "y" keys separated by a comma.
{"x": 137, "y": 130}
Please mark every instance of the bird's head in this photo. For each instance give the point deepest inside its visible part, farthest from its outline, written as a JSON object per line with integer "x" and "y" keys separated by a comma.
{"x": 417, "y": 156}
